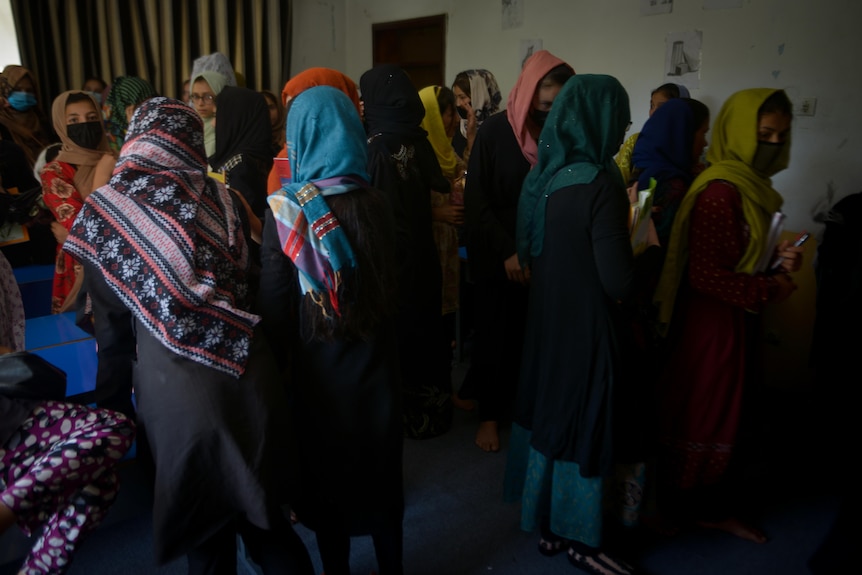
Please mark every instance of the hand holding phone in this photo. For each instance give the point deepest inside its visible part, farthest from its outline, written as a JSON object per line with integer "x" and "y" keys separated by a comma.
{"x": 798, "y": 242}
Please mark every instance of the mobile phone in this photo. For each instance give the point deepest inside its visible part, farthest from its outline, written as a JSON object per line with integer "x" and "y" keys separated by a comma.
{"x": 798, "y": 242}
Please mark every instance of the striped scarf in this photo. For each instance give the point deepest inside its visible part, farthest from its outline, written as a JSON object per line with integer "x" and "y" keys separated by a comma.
{"x": 326, "y": 147}
{"x": 169, "y": 241}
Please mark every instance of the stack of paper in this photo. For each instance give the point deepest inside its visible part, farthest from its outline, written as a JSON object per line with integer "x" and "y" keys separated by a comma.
{"x": 775, "y": 229}
{"x": 639, "y": 218}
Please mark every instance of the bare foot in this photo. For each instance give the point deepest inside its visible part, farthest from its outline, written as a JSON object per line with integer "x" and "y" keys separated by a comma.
{"x": 465, "y": 404}
{"x": 488, "y": 438}
{"x": 736, "y": 527}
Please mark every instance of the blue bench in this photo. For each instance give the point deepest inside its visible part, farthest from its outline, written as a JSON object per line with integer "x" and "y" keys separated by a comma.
{"x": 57, "y": 339}
{"x": 35, "y": 283}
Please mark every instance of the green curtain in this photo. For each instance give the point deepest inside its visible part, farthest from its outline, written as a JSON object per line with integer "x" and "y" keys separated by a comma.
{"x": 65, "y": 41}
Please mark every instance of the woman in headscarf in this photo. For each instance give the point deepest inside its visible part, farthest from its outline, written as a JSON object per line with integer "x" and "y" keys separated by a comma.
{"x": 21, "y": 117}
{"x": 276, "y": 121}
{"x": 327, "y": 296}
{"x": 243, "y": 153}
{"x": 166, "y": 266}
{"x": 447, "y": 210}
{"x": 504, "y": 152}
{"x": 667, "y": 150}
{"x": 713, "y": 289}
{"x": 572, "y": 232}
{"x": 83, "y": 164}
{"x": 295, "y": 86}
{"x": 210, "y": 74}
{"x": 658, "y": 97}
{"x": 402, "y": 164}
{"x": 126, "y": 94}
{"x": 477, "y": 98}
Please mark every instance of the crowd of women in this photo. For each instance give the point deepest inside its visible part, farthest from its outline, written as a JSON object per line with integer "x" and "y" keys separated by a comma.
{"x": 278, "y": 288}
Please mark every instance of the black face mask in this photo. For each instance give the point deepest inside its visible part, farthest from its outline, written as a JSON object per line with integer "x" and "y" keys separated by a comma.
{"x": 765, "y": 156}
{"x": 86, "y": 134}
{"x": 461, "y": 112}
{"x": 539, "y": 116}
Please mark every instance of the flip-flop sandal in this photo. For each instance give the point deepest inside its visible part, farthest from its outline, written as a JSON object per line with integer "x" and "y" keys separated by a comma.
{"x": 600, "y": 564}
{"x": 550, "y": 547}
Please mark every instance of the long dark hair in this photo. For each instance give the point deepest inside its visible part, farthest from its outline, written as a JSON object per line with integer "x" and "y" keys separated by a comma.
{"x": 462, "y": 80}
{"x": 366, "y": 297}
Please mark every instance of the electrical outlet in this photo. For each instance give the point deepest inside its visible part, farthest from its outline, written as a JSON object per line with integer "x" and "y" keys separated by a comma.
{"x": 806, "y": 107}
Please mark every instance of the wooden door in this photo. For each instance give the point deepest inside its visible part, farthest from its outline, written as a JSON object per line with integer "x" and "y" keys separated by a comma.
{"x": 418, "y": 46}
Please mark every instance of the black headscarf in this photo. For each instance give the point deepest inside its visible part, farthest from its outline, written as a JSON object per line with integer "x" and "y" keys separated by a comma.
{"x": 242, "y": 126}
{"x": 392, "y": 102}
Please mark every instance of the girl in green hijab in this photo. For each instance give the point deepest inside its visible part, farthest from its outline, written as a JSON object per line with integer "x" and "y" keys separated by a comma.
{"x": 709, "y": 295}
{"x": 570, "y": 429}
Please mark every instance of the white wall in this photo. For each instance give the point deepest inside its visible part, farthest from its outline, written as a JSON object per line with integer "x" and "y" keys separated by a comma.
{"x": 8, "y": 40}
{"x": 819, "y": 57}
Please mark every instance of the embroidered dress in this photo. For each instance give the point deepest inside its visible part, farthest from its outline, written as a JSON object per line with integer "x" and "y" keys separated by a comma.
{"x": 710, "y": 293}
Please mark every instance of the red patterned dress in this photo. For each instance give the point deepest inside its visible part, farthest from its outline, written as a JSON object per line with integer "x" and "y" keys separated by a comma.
{"x": 703, "y": 388}
{"x": 64, "y": 201}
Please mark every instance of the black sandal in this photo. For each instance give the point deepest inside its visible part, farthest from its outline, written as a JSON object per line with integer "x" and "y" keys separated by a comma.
{"x": 599, "y": 563}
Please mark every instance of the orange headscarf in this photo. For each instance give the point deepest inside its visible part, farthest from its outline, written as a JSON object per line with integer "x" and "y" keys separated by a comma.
{"x": 83, "y": 159}
{"x": 521, "y": 99}
{"x": 298, "y": 84}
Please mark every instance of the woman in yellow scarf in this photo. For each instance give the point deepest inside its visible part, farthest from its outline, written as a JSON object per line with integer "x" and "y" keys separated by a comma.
{"x": 712, "y": 288}
{"x": 447, "y": 209}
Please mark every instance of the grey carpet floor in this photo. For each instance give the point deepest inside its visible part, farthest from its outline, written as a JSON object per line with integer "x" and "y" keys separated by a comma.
{"x": 456, "y": 523}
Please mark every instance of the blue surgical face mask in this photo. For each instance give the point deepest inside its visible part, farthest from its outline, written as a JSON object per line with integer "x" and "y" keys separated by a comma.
{"x": 22, "y": 101}
{"x": 97, "y": 96}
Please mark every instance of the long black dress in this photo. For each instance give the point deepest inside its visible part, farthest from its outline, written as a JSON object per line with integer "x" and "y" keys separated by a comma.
{"x": 575, "y": 377}
{"x": 494, "y": 177}
{"x": 345, "y": 406}
{"x": 220, "y": 443}
{"x": 404, "y": 170}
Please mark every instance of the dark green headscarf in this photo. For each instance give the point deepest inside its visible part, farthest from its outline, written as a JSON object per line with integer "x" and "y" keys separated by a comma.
{"x": 125, "y": 91}
{"x": 582, "y": 134}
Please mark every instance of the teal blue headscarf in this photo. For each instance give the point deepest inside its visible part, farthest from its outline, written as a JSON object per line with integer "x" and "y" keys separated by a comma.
{"x": 584, "y": 130}
{"x": 327, "y": 151}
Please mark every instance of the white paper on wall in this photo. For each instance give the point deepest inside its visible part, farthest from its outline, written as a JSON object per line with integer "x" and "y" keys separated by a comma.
{"x": 513, "y": 14}
{"x": 650, "y": 7}
{"x": 528, "y": 48}
{"x": 682, "y": 62}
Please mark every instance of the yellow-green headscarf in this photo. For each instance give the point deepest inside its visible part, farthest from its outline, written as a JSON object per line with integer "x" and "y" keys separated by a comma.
{"x": 433, "y": 124}
{"x": 734, "y": 144}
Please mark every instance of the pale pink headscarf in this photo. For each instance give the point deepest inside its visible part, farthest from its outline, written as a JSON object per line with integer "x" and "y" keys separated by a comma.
{"x": 521, "y": 99}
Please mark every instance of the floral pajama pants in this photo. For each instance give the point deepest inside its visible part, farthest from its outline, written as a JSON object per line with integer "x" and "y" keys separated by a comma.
{"x": 56, "y": 473}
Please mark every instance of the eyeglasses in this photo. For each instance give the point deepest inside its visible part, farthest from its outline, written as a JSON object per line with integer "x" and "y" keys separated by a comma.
{"x": 208, "y": 98}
